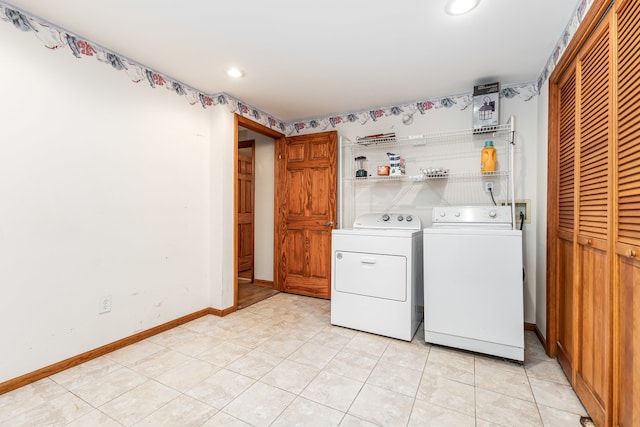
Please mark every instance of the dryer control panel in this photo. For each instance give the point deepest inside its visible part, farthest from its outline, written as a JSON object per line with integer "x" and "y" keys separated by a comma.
{"x": 472, "y": 215}
{"x": 388, "y": 221}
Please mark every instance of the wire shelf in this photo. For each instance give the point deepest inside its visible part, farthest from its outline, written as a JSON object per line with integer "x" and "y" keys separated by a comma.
{"x": 440, "y": 167}
{"x": 425, "y": 177}
{"x": 498, "y": 132}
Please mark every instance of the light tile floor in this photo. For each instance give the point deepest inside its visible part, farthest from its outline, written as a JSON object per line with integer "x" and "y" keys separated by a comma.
{"x": 279, "y": 362}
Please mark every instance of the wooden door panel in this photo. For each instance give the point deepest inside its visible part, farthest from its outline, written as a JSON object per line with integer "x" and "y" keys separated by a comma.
{"x": 566, "y": 303}
{"x": 304, "y": 272}
{"x": 295, "y": 152}
{"x": 319, "y": 184}
{"x": 245, "y": 239}
{"x": 245, "y": 200}
{"x": 296, "y": 192}
{"x": 245, "y": 183}
{"x": 593, "y": 377}
{"x": 320, "y": 150}
{"x": 307, "y": 286}
{"x": 629, "y": 359}
{"x": 245, "y": 247}
{"x": 295, "y": 243}
{"x": 320, "y": 267}
{"x": 245, "y": 166}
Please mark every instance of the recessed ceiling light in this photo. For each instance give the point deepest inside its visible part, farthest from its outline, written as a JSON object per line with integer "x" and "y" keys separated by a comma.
{"x": 460, "y": 7}
{"x": 235, "y": 73}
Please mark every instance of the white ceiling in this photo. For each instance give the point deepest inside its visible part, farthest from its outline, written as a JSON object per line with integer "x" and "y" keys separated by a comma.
{"x": 313, "y": 59}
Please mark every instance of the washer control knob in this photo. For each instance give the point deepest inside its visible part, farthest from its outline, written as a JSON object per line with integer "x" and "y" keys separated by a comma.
{"x": 457, "y": 214}
{"x": 442, "y": 214}
{"x": 492, "y": 214}
{"x": 400, "y": 217}
{"x": 385, "y": 217}
{"x": 409, "y": 218}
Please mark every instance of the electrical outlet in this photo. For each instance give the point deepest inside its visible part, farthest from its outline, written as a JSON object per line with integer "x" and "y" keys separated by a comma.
{"x": 523, "y": 206}
{"x": 488, "y": 187}
{"x": 104, "y": 304}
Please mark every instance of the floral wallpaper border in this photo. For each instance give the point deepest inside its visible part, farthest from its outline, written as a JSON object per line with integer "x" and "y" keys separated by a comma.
{"x": 525, "y": 91}
{"x": 566, "y": 37}
{"x": 54, "y": 38}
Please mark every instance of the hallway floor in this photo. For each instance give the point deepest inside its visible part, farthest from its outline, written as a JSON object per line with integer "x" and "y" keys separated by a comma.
{"x": 250, "y": 293}
{"x": 279, "y": 362}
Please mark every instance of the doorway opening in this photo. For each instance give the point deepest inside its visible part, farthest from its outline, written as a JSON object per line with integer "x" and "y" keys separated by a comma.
{"x": 254, "y": 213}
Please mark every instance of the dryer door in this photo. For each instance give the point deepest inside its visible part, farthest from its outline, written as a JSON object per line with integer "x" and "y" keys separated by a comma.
{"x": 372, "y": 275}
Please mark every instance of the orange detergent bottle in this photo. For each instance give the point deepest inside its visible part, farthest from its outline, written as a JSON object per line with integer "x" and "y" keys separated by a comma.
{"x": 488, "y": 158}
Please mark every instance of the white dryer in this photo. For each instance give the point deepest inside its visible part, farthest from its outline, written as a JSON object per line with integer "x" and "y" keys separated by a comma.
{"x": 377, "y": 275}
{"x": 473, "y": 296}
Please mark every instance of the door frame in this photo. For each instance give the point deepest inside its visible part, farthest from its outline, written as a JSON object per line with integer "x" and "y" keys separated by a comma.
{"x": 241, "y": 121}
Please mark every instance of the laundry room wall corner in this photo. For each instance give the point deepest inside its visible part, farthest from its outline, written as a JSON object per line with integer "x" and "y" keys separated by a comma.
{"x": 221, "y": 205}
{"x": 526, "y": 171}
{"x": 541, "y": 210}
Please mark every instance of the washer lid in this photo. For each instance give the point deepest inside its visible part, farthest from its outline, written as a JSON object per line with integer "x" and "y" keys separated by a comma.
{"x": 388, "y": 221}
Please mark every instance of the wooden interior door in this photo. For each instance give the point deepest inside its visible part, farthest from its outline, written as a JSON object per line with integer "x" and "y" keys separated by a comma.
{"x": 627, "y": 247}
{"x": 593, "y": 269}
{"x": 246, "y": 204}
{"x": 307, "y": 195}
{"x": 564, "y": 227}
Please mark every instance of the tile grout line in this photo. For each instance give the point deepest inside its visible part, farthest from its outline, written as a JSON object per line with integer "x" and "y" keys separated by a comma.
{"x": 413, "y": 405}
{"x": 535, "y": 400}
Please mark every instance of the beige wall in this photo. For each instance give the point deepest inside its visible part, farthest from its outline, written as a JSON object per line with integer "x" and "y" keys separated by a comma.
{"x": 105, "y": 190}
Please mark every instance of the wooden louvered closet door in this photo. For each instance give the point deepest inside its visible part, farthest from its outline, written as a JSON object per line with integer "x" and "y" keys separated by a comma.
{"x": 627, "y": 201}
{"x": 566, "y": 221}
{"x": 593, "y": 185}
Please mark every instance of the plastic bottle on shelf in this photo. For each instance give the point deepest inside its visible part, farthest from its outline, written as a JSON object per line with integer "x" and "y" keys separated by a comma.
{"x": 488, "y": 158}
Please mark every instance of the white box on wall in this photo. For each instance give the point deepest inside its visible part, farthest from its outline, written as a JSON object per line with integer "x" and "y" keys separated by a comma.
{"x": 486, "y": 105}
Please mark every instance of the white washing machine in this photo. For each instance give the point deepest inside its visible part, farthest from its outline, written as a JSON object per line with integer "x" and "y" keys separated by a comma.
{"x": 473, "y": 290}
{"x": 377, "y": 275}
